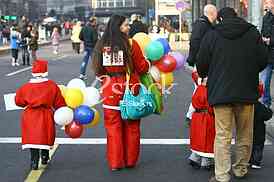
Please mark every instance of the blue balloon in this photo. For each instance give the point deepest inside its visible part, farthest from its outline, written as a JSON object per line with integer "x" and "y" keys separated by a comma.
{"x": 83, "y": 115}
{"x": 165, "y": 44}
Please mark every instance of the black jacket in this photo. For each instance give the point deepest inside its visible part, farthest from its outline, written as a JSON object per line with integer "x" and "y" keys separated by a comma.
{"x": 89, "y": 36}
{"x": 268, "y": 22}
{"x": 232, "y": 55}
{"x": 200, "y": 28}
{"x": 137, "y": 27}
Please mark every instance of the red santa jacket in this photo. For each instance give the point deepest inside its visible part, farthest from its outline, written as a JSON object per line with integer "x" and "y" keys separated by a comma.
{"x": 39, "y": 98}
{"x": 113, "y": 87}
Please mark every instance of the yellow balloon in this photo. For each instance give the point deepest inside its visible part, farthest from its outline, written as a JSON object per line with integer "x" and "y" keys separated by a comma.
{"x": 63, "y": 90}
{"x": 74, "y": 97}
{"x": 166, "y": 79}
{"x": 142, "y": 39}
{"x": 96, "y": 119}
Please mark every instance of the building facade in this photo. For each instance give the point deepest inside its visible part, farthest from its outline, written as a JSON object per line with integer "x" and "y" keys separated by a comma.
{"x": 105, "y": 8}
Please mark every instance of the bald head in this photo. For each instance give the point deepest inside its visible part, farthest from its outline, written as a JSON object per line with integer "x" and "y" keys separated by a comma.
{"x": 210, "y": 11}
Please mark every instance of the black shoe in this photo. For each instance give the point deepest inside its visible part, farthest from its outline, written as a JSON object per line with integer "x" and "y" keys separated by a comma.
{"x": 195, "y": 165}
{"x": 45, "y": 160}
{"x": 34, "y": 165}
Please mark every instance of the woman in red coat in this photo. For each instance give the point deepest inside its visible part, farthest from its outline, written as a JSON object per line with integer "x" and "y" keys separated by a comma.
{"x": 202, "y": 127}
{"x": 113, "y": 57}
{"x": 40, "y": 97}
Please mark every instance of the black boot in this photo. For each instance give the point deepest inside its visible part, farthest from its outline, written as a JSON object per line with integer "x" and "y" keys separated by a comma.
{"x": 34, "y": 153}
{"x": 44, "y": 156}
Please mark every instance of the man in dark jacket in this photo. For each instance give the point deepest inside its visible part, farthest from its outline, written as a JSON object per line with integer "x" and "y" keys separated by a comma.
{"x": 232, "y": 56}
{"x": 137, "y": 26}
{"x": 200, "y": 28}
{"x": 89, "y": 36}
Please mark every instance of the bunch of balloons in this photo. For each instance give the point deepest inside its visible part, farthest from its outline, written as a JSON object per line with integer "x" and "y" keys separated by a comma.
{"x": 79, "y": 112}
{"x": 164, "y": 61}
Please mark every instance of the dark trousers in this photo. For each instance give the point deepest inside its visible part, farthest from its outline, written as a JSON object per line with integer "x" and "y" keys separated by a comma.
{"x": 25, "y": 55}
{"x": 35, "y": 154}
{"x": 258, "y": 143}
{"x": 76, "y": 47}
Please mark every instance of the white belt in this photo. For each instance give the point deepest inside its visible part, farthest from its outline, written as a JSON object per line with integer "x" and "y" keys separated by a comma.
{"x": 111, "y": 107}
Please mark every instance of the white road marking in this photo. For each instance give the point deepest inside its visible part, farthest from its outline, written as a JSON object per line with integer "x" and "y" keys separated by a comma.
{"x": 101, "y": 141}
{"x": 18, "y": 71}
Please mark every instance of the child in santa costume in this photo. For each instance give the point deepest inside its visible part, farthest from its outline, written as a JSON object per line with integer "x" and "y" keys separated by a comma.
{"x": 202, "y": 127}
{"x": 39, "y": 97}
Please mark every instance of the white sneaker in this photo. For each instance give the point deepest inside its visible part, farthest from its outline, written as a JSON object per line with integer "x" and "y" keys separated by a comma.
{"x": 17, "y": 64}
{"x": 13, "y": 63}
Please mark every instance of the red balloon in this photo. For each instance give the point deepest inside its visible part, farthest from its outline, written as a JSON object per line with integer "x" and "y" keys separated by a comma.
{"x": 74, "y": 130}
{"x": 167, "y": 64}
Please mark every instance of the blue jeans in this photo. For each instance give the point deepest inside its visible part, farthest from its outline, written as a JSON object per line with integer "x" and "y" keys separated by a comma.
{"x": 266, "y": 76}
{"x": 87, "y": 55}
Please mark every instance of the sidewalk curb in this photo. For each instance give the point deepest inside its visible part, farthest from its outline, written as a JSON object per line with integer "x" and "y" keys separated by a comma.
{"x": 6, "y": 51}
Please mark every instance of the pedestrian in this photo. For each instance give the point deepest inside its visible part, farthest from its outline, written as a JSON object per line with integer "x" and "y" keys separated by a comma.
{"x": 39, "y": 97}
{"x": 261, "y": 114}
{"x": 33, "y": 44}
{"x": 25, "y": 40}
{"x": 55, "y": 38}
{"x": 202, "y": 128}
{"x": 6, "y": 35}
{"x": 115, "y": 55}
{"x": 76, "y": 30}
{"x": 89, "y": 36}
{"x": 137, "y": 26}
{"x": 200, "y": 28}
{"x": 268, "y": 36}
{"x": 14, "y": 45}
{"x": 155, "y": 33}
{"x": 231, "y": 56}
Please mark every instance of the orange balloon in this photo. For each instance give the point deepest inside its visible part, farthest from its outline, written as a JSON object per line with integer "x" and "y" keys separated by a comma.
{"x": 143, "y": 40}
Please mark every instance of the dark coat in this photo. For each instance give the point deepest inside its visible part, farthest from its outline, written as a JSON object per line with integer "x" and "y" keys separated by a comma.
{"x": 33, "y": 44}
{"x": 232, "y": 56}
{"x": 261, "y": 114}
{"x": 200, "y": 28}
{"x": 89, "y": 36}
{"x": 137, "y": 27}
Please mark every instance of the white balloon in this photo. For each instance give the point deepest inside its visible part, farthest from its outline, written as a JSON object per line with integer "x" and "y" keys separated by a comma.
{"x": 155, "y": 73}
{"x": 77, "y": 83}
{"x": 63, "y": 116}
{"x": 91, "y": 96}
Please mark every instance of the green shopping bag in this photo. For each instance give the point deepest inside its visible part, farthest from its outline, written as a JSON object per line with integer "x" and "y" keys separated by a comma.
{"x": 147, "y": 80}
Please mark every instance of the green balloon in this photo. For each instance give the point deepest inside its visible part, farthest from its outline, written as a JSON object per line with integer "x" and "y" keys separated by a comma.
{"x": 154, "y": 51}
{"x": 147, "y": 80}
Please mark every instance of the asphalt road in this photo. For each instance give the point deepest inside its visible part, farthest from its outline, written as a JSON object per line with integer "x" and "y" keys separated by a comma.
{"x": 86, "y": 162}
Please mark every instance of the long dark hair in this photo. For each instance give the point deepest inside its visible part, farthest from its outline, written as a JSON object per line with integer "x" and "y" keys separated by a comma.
{"x": 117, "y": 40}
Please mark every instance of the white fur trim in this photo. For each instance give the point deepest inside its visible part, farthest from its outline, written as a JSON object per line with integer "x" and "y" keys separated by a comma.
{"x": 38, "y": 80}
{"x": 117, "y": 108}
{"x": 40, "y": 74}
{"x": 34, "y": 146}
{"x": 208, "y": 155}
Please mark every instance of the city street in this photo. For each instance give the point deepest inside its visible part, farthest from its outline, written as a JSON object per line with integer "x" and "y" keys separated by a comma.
{"x": 164, "y": 150}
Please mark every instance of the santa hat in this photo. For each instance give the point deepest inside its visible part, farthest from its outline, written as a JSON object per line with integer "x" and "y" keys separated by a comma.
{"x": 40, "y": 68}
